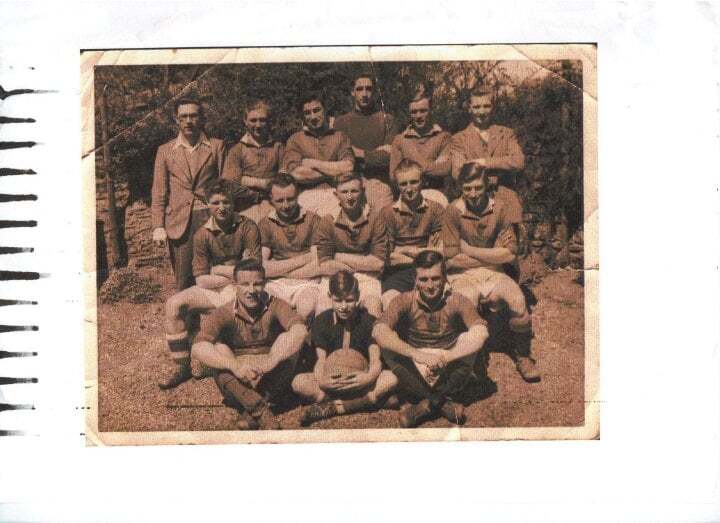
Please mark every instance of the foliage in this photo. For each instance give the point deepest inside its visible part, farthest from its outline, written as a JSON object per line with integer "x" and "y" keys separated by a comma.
{"x": 546, "y": 113}
{"x": 127, "y": 285}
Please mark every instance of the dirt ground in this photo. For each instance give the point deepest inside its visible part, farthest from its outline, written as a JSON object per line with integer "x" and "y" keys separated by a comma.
{"x": 132, "y": 359}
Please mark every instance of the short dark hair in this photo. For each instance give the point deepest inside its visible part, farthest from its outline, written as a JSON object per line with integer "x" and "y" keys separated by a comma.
{"x": 348, "y": 177}
{"x": 343, "y": 284}
{"x": 258, "y": 103}
{"x": 406, "y": 164}
{"x": 481, "y": 90}
{"x": 311, "y": 96}
{"x": 427, "y": 258}
{"x": 422, "y": 91}
{"x": 223, "y": 187}
{"x": 472, "y": 171}
{"x": 283, "y": 180}
{"x": 188, "y": 101}
{"x": 249, "y": 265}
{"x": 357, "y": 77}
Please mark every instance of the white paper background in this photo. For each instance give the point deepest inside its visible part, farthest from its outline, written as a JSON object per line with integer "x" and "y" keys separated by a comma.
{"x": 658, "y": 458}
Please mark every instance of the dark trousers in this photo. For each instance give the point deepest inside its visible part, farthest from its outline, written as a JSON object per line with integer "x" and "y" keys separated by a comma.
{"x": 452, "y": 380}
{"x": 273, "y": 387}
{"x": 181, "y": 250}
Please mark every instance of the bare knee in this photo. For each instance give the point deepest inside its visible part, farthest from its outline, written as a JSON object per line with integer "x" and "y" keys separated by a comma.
{"x": 509, "y": 294}
{"x": 305, "y": 386}
{"x": 175, "y": 307}
{"x": 307, "y": 302}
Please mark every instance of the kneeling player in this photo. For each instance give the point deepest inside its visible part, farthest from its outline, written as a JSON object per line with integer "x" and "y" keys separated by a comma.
{"x": 353, "y": 239}
{"x": 348, "y": 375}
{"x": 479, "y": 237}
{"x": 440, "y": 336}
{"x": 289, "y": 257}
{"x": 413, "y": 224}
{"x": 253, "y": 343}
{"x": 224, "y": 240}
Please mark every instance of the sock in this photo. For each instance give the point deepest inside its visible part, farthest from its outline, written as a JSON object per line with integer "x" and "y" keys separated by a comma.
{"x": 356, "y": 405}
{"x": 179, "y": 346}
{"x": 410, "y": 380}
{"x": 237, "y": 393}
{"x": 452, "y": 381}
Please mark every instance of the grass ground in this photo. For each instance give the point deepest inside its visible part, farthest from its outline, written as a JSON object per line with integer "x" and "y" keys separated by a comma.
{"x": 132, "y": 358}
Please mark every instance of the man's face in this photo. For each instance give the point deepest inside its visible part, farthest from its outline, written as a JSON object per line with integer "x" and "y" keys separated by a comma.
{"x": 314, "y": 115}
{"x": 285, "y": 201}
{"x": 190, "y": 120}
{"x": 420, "y": 113}
{"x": 480, "y": 109}
{"x": 409, "y": 184}
{"x": 349, "y": 195}
{"x": 249, "y": 286}
{"x": 256, "y": 122}
{"x": 362, "y": 93}
{"x": 221, "y": 208}
{"x": 475, "y": 194}
{"x": 345, "y": 307}
{"x": 430, "y": 282}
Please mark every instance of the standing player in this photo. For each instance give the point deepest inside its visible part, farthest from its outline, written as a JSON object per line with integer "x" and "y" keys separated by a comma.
{"x": 289, "y": 256}
{"x": 253, "y": 162}
{"x": 346, "y": 326}
{"x": 253, "y": 343}
{"x": 413, "y": 224}
{"x": 491, "y": 146}
{"x": 430, "y": 339}
{"x": 352, "y": 239}
{"x": 428, "y": 145}
{"x": 316, "y": 156}
{"x": 371, "y": 131}
{"x": 225, "y": 239}
{"x": 478, "y": 238}
{"x": 184, "y": 167}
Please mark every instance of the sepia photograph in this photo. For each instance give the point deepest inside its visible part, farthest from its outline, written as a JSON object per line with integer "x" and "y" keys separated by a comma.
{"x": 341, "y": 244}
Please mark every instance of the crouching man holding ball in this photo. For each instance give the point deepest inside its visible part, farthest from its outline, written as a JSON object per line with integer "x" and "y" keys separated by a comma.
{"x": 348, "y": 375}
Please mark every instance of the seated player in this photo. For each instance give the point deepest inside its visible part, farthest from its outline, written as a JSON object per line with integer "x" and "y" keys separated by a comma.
{"x": 289, "y": 256}
{"x": 428, "y": 145}
{"x": 478, "y": 237}
{"x": 253, "y": 161}
{"x": 316, "y": 156}
{"x": 430, "y": 339}
{"x": 370, "y": 130}
{"x": 253, "y": 343}
{"x": 224, "y": 240}
{"x": 353, "y": 239}
{"x": 494, "y": 147}
{"x": 341, "y": 333}
{"x": 413, "y": 224}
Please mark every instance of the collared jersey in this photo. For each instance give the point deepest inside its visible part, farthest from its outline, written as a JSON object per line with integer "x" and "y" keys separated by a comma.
{"x": 423, "y": 149}
{"x": 328, "y": 332}
{"x": 213, "y": 246}
{"x": 232, "y": 325}
{"x": 491, "y": 228}
{"x": 331, "y": 146}
{"x": 423, "y": 326}
{"x": 288, "y": 239}
{"x": 337, "y": 233}
{"x": 418, "y": 228}
{"x": 250, "y": 158}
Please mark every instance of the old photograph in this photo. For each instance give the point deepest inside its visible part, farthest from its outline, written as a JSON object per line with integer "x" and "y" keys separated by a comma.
{"x": 341, "y": 244}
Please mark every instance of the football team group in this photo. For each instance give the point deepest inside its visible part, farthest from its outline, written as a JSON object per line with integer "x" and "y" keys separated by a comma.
{"x": 357, "y": 266}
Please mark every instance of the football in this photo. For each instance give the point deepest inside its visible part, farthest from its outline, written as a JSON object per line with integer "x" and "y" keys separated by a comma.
{"x": 344, "y": 362}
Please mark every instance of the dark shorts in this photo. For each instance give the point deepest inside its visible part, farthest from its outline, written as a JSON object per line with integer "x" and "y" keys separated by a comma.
{"x": 400, "y": 279}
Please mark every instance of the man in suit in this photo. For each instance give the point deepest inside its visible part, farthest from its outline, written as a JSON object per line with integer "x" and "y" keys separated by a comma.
{"x": 184, "y": 167}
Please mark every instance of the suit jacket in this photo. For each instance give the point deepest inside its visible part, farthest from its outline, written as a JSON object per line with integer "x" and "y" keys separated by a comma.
{"x": 175, "y": 188}
{"x": 502, "y": 151}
